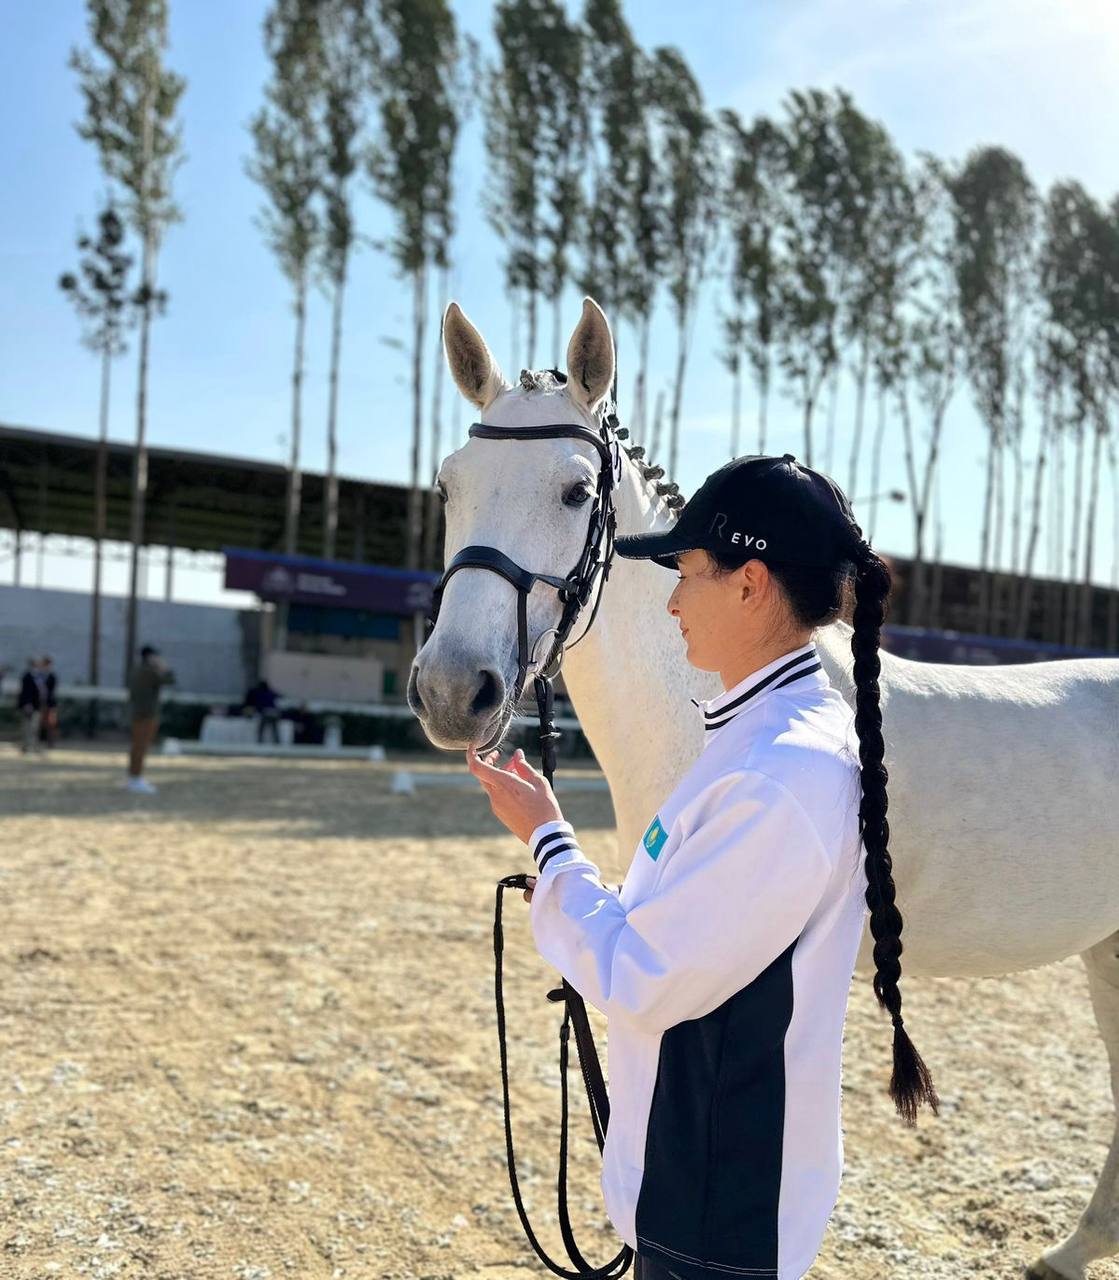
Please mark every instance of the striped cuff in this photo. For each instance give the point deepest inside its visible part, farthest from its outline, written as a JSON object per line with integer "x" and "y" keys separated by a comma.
{"x": 552, "y": 839}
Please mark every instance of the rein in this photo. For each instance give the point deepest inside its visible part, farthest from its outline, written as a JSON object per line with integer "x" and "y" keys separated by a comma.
{"x": 590, "y": 571}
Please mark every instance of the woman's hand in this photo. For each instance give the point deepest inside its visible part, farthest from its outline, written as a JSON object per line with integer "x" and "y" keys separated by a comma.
{"x": 520, "y": 796}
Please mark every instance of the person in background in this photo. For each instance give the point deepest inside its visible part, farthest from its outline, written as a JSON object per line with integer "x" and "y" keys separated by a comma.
{"x": 265, "y": 701}
{"x": 145, "y": 683}
{"x": 30, "y": 706}
{"x": 48, "y": 686}
{"x": 308, "y": 730}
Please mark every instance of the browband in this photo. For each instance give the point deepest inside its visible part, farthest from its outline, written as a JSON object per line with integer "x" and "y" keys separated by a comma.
{"x": 554, "y": 431}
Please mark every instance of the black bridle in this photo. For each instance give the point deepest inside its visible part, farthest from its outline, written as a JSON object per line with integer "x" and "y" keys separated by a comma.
{"x": 592, "y": 567}
{"x": 575, "y": 590}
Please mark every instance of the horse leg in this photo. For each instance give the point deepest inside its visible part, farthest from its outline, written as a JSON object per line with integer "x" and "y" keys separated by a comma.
{"x": 1097, "y": 1232}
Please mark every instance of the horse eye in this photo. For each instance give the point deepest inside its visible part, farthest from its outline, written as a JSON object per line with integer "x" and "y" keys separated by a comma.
{"x": 577, "y": 496}
{"x": 441, "y": 490}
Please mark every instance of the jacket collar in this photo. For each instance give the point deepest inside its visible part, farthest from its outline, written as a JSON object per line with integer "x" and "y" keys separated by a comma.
{"x": 799, "y": 667}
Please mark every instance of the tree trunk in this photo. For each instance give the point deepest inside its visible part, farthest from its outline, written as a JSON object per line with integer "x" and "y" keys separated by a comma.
{"x": 924, "y": 505}
{"x": 530, "y": 301}
{"x": 1084, "y": 630}
{"x": 763, "y": 405}
{"x": 641, "y": 395}
{"x": 140, "y": 457}
{"x": 860, "y": 409}
{"x": 514, "y": 326}
{"x": 876, "y": 460}
{"x": 807, "y": 424}
{"x": 677, "y": 391}
{"x": 982, "y": 618}
{"x": 419, "y": 319}
{"x": 431, "y": 524}
{"x": 735, "y": 408}
{"x": 295, "y": 475}
{"x": 100, "y": 479}
{"x": 1057, "y": 519}
{"x": 933, "y": 613}
{"x": 997, "y": 580}
{"x": 1071, "y": 595}
{"x": 658, "y": 425}
{"x": 330, "y": 503}
{"x": 915, "y": 501}
{"x": 1025, "y": 598}
{"x": 1016, "y": 524}
{"x": 833, "y": 403}
{"x": 1113, "y": 599}
{"x": 557, "y": 358}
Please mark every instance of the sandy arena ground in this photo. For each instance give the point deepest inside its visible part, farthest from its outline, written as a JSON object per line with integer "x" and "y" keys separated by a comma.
{"x": 247, "y": 1031}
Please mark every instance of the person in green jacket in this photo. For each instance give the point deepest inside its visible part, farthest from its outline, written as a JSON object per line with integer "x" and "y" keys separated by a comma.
{"x": 145, "y": 684}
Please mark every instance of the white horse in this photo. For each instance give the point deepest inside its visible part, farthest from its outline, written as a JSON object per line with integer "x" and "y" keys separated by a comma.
{"x": 1002, "y": 779}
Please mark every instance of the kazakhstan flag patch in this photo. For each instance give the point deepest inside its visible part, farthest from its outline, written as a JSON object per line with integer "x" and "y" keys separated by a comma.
{"x": 655, "y": 838}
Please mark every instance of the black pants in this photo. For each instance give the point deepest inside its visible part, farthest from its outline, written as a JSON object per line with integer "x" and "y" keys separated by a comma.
{"x": 650, "y": 1269}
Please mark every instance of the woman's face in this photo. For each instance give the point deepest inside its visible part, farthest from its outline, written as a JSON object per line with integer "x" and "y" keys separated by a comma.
{"x": 709, "y": 610}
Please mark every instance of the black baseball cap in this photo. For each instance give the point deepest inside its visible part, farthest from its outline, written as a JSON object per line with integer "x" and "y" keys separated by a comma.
{"x": 767, "y": 507}
{"x": 147, "y": 650}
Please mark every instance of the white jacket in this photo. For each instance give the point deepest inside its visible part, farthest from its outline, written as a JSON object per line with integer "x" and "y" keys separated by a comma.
{"x": 723, "y": 967}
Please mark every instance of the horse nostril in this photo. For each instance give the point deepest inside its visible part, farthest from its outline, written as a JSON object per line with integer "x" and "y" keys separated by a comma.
{"x": 489, "y": 695}
{"x": 412, "y": 695}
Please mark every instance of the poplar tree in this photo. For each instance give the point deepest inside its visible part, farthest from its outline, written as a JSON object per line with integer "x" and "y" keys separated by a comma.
{"x": 995, "y": 208}
{"x": 535, "y": 137}
{"x": 752, "y": 196}
{"x": 288, "y": 163}
{"x": 349, "y": 61}
{"x": 411, "y": 169}
{"x": 622, "y": 231}
{"x": 130, "y": 103}
{"x": 688, "y": 161}
{"x": 103, "y": 297}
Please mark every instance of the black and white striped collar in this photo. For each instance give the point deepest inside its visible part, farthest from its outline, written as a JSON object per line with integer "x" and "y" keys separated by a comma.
{"x": 799, "y": 666}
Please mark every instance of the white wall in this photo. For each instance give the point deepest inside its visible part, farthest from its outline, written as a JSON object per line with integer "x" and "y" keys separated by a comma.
{"x": 204, "y": 644}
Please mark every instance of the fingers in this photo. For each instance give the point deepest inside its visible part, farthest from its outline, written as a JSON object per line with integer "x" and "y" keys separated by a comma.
{"x": 488, "y": 773}
{"x": 522, "y": 766}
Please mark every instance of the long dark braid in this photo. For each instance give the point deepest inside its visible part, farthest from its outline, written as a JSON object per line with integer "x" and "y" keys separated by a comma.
{"x": 910, "y": 1084}
{"x": 816, "y": 597}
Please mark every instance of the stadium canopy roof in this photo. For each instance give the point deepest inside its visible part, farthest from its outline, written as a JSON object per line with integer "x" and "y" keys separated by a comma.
{"x": 197, "y": 501}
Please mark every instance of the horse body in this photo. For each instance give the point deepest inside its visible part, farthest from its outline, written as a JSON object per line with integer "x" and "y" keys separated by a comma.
{"x": 1003, "y": 779}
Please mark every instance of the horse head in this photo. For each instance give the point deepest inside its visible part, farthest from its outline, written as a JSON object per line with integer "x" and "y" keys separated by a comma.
{"x": 534, "y": 501}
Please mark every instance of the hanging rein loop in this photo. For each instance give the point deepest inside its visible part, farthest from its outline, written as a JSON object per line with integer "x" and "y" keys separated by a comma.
{"x": 594, "y": 1084}
{"x": 590, "y": 572}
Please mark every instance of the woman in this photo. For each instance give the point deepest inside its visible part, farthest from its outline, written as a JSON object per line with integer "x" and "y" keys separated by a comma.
{"x": 724, "y": 962}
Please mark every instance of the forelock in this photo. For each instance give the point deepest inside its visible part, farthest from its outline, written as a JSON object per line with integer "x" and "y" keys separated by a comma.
{"x": 541, "y": 380}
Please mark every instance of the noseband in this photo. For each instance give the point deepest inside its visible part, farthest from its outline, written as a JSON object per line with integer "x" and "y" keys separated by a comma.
{"x": 575, "y": 590}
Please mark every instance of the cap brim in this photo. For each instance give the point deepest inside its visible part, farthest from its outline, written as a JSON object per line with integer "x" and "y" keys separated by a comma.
{"x": 661, "y": 548}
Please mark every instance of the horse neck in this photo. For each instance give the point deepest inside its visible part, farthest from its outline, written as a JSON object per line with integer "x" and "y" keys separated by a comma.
{"x": 629, "y": 680}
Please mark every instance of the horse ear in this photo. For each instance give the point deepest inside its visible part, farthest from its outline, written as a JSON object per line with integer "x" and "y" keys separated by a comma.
{"x": 590, "y": 357}
{"x": 474, "y": 370}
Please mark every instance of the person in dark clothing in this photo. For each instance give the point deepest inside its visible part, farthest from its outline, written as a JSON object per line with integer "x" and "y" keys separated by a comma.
{"x": 308, "y": 730}
{"x": 145, "y": 685}
{"x": 30, "y": 706}
{"x": 265, "y": 701}
{"x": 48, "y": 685}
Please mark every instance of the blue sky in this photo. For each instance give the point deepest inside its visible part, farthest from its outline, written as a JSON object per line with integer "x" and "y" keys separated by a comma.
{"x": 1036, "y": 76}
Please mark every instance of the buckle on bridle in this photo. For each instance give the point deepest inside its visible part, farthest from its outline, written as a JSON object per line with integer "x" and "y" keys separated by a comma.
{"x": 533, "y": 661}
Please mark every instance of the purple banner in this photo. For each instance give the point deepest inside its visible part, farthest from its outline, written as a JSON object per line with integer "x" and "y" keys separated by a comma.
{"x": 303, "y": 580}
